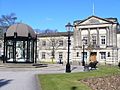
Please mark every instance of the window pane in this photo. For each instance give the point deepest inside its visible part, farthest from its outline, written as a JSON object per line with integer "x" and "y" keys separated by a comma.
{"x": 43, "y": 43}
{"x": 85, "y": 40}
{"x": 60, "y": 55}
{"x": 43, "y": 55}
{"x": 94, "y": 40}
{"x": 103, "y": 55}
{"x": 102, "y": 39}
{"x": 85, "y": 55}
{"x": 61, "y": 43}
{"x": 108, "y": 54}
{"x": 77, "y": 54}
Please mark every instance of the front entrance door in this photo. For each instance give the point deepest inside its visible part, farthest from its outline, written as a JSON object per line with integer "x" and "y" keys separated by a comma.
{"x": 93, "y": 56}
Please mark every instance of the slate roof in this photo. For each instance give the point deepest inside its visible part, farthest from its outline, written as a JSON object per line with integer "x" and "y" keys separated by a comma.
{"x": 56, "y": 34}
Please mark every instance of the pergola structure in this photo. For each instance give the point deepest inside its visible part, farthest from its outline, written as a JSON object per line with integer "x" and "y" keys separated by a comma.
{"x": 20, "y": 44}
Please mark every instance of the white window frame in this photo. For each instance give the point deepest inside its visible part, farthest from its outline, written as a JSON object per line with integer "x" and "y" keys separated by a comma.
{"x": 43, "y": 55}
{"x": 43, "y": 43}
{"x": 109, "y": 54}
{"x": 60, "y": 42}
{"x": 103, "y": 55}
{"x": 77, "y": 54}
{"x": 60, "y": 55}
{"x": 103, "y": 40}
{"x": 86, "y": 40}
{"x": 94, "y": 40}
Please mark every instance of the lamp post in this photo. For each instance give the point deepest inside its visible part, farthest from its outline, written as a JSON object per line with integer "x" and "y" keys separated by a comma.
{"x": 83, "y": 61}
{"x": 68, "y": 28}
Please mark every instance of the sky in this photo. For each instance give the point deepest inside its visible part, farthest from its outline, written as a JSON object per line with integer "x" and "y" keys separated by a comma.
{"x": 55, "y": 14}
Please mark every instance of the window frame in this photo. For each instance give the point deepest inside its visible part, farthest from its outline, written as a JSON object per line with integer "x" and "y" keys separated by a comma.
{"x": 60, "y": 55}
{"x": 77, "y": 54}
{"x": 60, "y": 42}
{"x": 43, "y": 43}
{"x": 43, "y": 55}
{"x": 103, "y": 40}
{"x": 103, "y": 55}
{"x": 94, "y": 40}
{"x": 108, "y": 54}
{"x": 85, "y": 55}
{"x": 86, "y": 40}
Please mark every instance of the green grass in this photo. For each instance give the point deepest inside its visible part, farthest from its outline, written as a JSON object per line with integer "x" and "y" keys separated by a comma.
{"x": 68, "y": 81}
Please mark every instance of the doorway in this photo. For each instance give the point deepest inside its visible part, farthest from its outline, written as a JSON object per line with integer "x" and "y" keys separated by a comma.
{"x": 93, "y": 56}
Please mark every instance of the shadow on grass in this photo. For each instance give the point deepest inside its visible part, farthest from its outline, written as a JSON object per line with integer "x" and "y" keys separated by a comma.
{"x": 73, "y": 88}
{"x": 4, "y": 82}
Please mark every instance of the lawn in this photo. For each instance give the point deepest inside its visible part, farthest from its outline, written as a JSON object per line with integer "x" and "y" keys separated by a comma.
{"x": 71, "y": 81}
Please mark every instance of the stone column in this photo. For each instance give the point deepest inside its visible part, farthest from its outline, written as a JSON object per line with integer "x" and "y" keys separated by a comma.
{"x": 111, "y": 35}
{"x": 74, "y": 36}
{"x": 98, "y": 41}
{"x": 77, "y": 37}
{"x": 108, "y": 36}
{"x": 79, "y": 40}
{"x": 89, "y": 36}
{"x": 114, "y": 35}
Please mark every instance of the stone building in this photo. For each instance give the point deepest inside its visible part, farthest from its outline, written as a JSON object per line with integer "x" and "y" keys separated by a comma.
{"x": 53, "y": 44}
{"x": 102, "y": 42}
{"x": 101, "y": 39}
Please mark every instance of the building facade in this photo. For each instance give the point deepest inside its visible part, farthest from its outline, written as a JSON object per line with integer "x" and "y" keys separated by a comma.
{"x": 101, "y": 39}
{"x": 52, "y": 47}
{"x": 102, "y": 42}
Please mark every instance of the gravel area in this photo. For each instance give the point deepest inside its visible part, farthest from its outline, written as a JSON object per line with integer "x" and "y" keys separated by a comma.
{"x": 103, "y": 83}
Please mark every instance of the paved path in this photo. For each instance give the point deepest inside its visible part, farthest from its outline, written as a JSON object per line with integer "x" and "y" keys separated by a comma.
{"x": 24, "y": 78}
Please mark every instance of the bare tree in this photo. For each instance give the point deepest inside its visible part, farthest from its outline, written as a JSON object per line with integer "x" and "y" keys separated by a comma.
{"x": 7, "y": 20}
{"x": 53, "y": 41}
{"x": 48, "y": 31}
